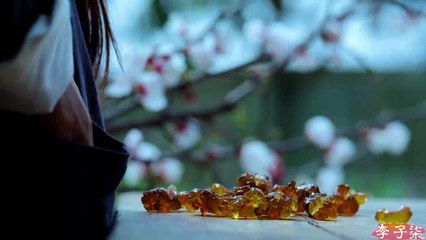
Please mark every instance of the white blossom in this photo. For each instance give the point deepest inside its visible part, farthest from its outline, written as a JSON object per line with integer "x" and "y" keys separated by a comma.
{"x": 169, "y": 170}
{"x": 377, "y": 141}
{"x": 119, "y": 87}
{"x": 168, "y": 62}
{"x": 186, "y": 134}
{"x": 399, "y": 137}
{"x": 328, "y": 178}
{"x": 201, "y": 54}
{"x": 135, "y": 173}
{"x": 280, "y": 41}
{"x": 225, "y": 39}
{"x": 132, "y": 139}
{"x": 393, "y": 139}
{"x": 340, "y": 152}
{"x": 147, "y": 151}
{"x": 177, "y": 25}
{"x": 257, "y": 157}
{"x": 255, "y": 31}
{"x": 149, "y": 87}
{"x": 320, "y": 131}
{"x": 173, "y": 69}
{"x": 304, "y": 63}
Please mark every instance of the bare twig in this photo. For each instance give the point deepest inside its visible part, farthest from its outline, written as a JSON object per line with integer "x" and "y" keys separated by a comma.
{"x": 229, "y": 102}
{"x": 120, "y": 110}
{"x": 358, "y": 59}
{"x": 409, "y": 9}
{"x": 207, "y": 76}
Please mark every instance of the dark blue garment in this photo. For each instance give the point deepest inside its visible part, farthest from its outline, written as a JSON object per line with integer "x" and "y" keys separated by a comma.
{"x": 97, "y": 170}
{"x": 83, "y": 74}
{"x": 61, "y": 180}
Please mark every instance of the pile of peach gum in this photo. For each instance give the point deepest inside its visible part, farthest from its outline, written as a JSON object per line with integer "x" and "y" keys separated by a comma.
{"x": 253, "y": 198}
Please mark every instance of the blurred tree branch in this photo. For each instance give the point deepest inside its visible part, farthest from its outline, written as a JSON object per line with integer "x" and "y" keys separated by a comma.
{"x": 235, "y": 96}
{"x": 252, "y": 76}
{"x": 228, "y": 104}
{"x": 358, "y": 59}
{"x": 225, "y": 106}
{"x": 413, "y": 113}
{"x": 409, "y": 9}
{"x": 125, "y": 106}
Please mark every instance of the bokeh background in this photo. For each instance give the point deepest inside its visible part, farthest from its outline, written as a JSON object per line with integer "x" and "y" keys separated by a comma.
{"x": 218, "y": 88}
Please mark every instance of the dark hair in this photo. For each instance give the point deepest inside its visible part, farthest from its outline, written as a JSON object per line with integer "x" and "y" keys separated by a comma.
{"x": 97, "y": 32}
{"x": 18, "y": 17}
